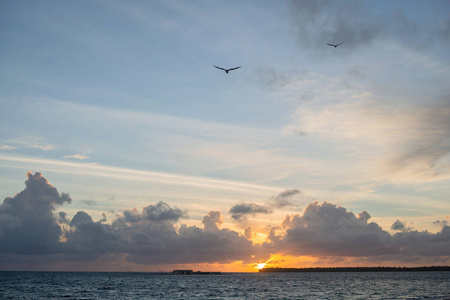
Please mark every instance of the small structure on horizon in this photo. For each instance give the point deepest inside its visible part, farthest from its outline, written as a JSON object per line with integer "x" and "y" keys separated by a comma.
{"x": 183, "y": 272}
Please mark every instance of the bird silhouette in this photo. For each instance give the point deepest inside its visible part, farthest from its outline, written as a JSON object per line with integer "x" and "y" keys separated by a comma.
{"x": 226, "y": 70}
{"x": 334, "y": 45}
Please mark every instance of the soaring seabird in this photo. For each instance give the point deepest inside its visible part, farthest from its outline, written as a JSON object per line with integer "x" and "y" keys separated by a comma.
{"x": 334, "y": 45}
{"x": 226, "y": 70}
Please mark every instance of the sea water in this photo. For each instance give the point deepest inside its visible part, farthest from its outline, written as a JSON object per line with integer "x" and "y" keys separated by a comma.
{"x": 86, "y": 285}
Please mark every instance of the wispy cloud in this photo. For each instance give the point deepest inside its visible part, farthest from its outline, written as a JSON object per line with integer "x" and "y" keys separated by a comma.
{"x": 138, "y": 175}
{"x": 27, "y": 141}
{"x": 88, "y": 202}
{"x": 77, "y": 156}
{"x": 43, "y": 147}
{"x": 7, "y": 147}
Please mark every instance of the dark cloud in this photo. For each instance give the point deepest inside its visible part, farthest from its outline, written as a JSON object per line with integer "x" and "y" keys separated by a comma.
{"x": 287, "y": 198}
{"x": 62, "y": 219}
{"x": 319, "y": 22}
{"x": 316, "y": 23}
{"x": 132, "y": 216}
{"x": 27, "y": 225}
{"x": 81, "y": 218}
{"x": 159, "y": 242}
{"x": 88, "y": 202}
{"x": 31, "y": 234}
{"x": 398, "y": 225}
{"x": 364, "y": 215}
{"x": 162, "y": 212}
{"x": 441, "y": 223}
{"x": 155, "y": 240}
{"x": 413, "y": 243}
{"x": 327, "y": 230}
{"x": 88, "y": 240}
{"x": 240, "y": 211}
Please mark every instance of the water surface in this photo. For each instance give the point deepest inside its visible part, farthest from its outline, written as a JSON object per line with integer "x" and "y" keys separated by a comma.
{"x": 81, "y": 285}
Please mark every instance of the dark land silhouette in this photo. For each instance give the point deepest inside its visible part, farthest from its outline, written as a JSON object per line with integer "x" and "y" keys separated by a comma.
{"x": 359, "y": 269}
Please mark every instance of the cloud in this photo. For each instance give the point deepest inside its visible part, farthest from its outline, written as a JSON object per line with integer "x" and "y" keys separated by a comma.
{"x": 43, "y": 147}
{"x": 7, "y": 147}
{"x": 156, "y": 241}
{"x": 413, "y": 243}
{"x": 441, "y": 223}
{"x": 428, "y": 151}
{"x": 32, "y": 233}
{"x": 327, "y": 230}
{"x": 316, "y": 23}
{"x": 162, "y": 212}
{"x": 138, "y": 175}
{"x": 398, "y": 225}
{"x": 81, "y": 218}
{"x": 240, "y": 211}
{"x": 212, "y": 221}
{"x": 77, "y": 156}
{"x": 27, "y": 225}
{"x": 319, "y": 22}
{"x": 287, "y": 198}
{"x": 88, "y": 202}
{"x": 413, "y": 142}
{"x": 248, "y": 233}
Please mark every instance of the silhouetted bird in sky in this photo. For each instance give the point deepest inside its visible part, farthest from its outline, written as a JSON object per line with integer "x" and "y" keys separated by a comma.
{"x": 226, "y": 70}
{"x": 334, "y": 45}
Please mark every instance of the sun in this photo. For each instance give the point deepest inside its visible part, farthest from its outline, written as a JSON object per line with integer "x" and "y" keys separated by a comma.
{"x": 260, "y": 266}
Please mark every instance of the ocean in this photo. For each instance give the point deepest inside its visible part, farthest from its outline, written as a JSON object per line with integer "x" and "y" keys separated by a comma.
{"x": 328, "y": 285}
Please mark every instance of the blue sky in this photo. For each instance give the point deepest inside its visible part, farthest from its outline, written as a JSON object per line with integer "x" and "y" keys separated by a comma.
{"x": 117, "y": 103}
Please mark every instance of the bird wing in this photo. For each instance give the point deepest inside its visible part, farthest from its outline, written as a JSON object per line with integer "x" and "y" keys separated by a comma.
{"x": 331, "y": 45}
{"x": 234, "y": 68}
{"x": 219, "y": 68}
{"x": 339, "y": 44}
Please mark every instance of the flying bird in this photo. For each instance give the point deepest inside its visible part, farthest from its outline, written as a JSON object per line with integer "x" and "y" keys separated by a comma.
{"x": 226, "y": 70}
{"x": 334, "y": 45}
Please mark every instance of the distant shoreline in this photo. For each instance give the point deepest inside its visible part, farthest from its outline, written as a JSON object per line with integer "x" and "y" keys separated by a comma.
{"x": 358, "y": 269}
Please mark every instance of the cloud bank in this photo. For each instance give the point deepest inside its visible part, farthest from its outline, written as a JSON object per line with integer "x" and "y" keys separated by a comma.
{"x": 32, "y": 232}
{"x": 327, "y": 230}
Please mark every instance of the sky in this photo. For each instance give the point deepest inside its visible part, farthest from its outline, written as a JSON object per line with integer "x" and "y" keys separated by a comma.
{"x": 122, "y": 148}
